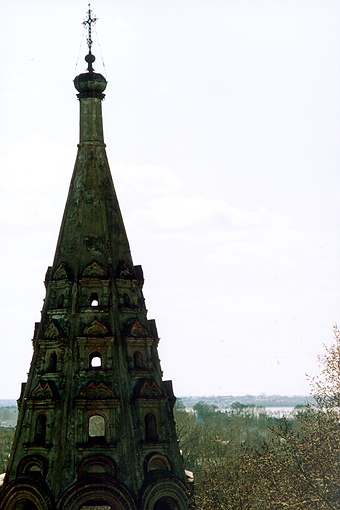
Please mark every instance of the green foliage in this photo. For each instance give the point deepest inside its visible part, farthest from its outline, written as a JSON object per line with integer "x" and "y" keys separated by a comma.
{"x": 203, "y": 410}
{"x": 8, "y": 418}
{"x": 6, "y": 439}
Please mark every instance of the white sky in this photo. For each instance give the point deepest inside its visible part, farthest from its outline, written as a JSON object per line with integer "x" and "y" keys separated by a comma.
{"x": 222, "y": 127}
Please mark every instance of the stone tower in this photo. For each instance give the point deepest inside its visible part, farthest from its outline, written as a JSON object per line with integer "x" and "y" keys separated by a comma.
{"x": 95, "y": 427}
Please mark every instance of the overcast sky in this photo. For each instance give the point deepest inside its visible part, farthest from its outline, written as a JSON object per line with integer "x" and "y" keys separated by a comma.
{"x": 221, "y": 120}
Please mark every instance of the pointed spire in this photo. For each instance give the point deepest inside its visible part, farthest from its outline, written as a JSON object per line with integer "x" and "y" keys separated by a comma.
{"x": 92, "y": 227}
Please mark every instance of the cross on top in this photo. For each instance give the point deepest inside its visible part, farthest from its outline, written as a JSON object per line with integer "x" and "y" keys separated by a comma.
{"x": 88, "y": 24}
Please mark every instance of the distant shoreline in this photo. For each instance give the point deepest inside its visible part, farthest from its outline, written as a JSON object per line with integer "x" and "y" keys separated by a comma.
{"x": 227, "y": 400}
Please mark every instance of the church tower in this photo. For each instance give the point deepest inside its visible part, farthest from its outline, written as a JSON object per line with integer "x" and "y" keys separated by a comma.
{"x": 95, "y": 427}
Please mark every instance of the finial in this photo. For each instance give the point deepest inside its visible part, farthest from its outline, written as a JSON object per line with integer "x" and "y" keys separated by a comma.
{"x": 88, "y": 24}
{"x": 90, "y": 84}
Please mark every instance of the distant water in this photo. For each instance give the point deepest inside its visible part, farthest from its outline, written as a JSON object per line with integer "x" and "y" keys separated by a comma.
{"x": 279, "y": 411}
{"x": 8, "y": 403}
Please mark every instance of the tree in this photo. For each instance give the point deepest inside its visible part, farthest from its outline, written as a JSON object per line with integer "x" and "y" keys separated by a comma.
{"x": 300, "y": 469}
{"x": 220, "y": 449}
{"x": 326, "y": 385}
{"x": 245, "y": 459}
{"x": 203, "y": 410}
{"x": 6, "y": 439}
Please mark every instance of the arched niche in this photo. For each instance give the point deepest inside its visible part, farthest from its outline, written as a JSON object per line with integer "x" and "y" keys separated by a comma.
{"x": 158, "y": 462}
{"x": 138, "y": 359}
{"x": 52, "y": 363}
{"x": 150, "y": 428}
{"x": 33, "y": 465}
{"x": 97, "y": 466}
{"x": 40, "y": 429}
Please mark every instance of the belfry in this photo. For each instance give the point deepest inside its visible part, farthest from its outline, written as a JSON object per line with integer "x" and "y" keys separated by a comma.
{"x": 95, "y": 427}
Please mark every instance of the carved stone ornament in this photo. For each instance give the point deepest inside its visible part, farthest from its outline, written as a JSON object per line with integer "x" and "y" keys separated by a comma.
{"x": 60, "y": 273}
{"x": 138, "y": 330}
{"x": 150, "y": 389}
{"x": 96, "y": 391}
{"x": 124, "y": 272}
{"x": 44, "y": 390}
{"x": 95, "y": 328}
{"x": 94, "y": 270}
{"x": 52, "y": 331}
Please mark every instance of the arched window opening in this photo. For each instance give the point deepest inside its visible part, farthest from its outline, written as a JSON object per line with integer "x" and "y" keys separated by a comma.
{"x": 137, "y": 359}
{"x": 150, "y": 428}
{"x": 95, "y": 360}
{"x": 61, "y": 300}
{"x": 166, "y": 503}
{"x": 96, "y": 505}
{"x": 26, "y": 505}
{"x": 97, "y": 427}
{"x": 94, "y": 299}
{"x": 40, "y": 430}
{"x": 52, "y": 365}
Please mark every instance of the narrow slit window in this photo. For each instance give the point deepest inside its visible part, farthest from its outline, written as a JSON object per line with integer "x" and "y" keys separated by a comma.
{"x": 94, "y": 300}
{"x": 150, "y": 428}
{"x": 138, "y": 359}
{"x": 61, "y": 300}
{"x": 52, "y": 365}
{"x": 40, "y": 429}
{"x": 95, "y": 360}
